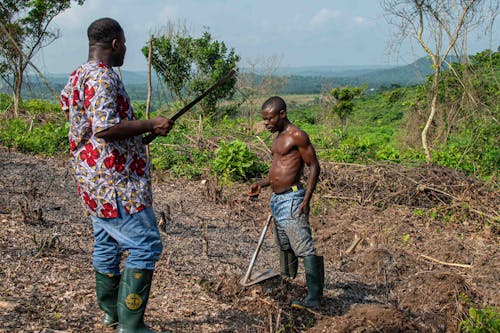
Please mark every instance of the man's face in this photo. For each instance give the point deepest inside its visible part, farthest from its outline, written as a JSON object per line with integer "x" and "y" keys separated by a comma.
{"x": 119, "y": 50}
{"x": 272, "y": 119}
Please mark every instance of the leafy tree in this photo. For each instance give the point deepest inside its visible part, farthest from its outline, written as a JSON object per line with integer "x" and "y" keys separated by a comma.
{"x": 24, "y": 30}
{"x": 341, "y": 101}
{"x": 190, "y": 66}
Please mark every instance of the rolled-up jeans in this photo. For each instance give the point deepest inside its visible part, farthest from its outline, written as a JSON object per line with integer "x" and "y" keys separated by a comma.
{"x": 136, "y": 233}
{"x": 291, "y": 231}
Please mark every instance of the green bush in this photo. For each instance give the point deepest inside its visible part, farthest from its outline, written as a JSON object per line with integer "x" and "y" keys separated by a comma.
{"x": 40, "y": 107}
{"x": 49, "y": 138}
{"x": 474, "y": 151}
{"x": 234, "y": 161}
{"x": 5, "y": 102}
{"x": 486, "y": 320}
{"x": 182, "y": 163}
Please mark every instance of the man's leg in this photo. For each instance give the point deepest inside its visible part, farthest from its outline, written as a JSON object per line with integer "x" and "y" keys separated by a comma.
{"x": 106, "y": 261}
{"x": 315, "y": 279}
{"x": 139, "y": 235}
{"x": 289, "y": 263}
{"x": 300, "y": 236}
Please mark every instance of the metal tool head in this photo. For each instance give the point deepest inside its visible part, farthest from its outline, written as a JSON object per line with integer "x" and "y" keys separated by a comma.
{"x": 253, "y": 278}
{"x": 258, "y": 277}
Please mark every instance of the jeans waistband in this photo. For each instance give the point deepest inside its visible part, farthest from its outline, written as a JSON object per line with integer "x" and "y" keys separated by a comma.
{"x": 293, "y": 188}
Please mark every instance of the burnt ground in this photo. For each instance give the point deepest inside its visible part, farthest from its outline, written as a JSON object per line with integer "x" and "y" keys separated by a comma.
{"x": 406, "y": 250}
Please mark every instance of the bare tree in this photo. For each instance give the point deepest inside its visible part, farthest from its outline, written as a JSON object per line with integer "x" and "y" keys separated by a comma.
{"x": 437, "y": 26}
{"x": 259, "y": 78}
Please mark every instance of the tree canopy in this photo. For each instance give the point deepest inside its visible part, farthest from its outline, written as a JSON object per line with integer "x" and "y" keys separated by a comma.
{"x": 191, "y": 65}
{"x": 24, "y": 30}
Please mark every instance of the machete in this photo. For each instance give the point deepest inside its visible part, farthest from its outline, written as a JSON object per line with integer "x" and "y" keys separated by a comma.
{"x": 150, "y": 137}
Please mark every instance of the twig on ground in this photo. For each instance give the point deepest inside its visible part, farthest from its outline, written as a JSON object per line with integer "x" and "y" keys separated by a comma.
{"x": 445, "y": 263}
{"x": 354, "y": 244}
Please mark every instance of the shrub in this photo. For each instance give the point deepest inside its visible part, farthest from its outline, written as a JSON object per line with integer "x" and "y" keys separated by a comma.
{"x": 234, "y": 161}
{"x": 481, "y": 320}
{"x": 183, "y": 163}
{"x": 49, "y": 138}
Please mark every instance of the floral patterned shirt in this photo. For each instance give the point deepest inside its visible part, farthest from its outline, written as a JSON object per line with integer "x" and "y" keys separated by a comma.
{"x": 105, "y": 170}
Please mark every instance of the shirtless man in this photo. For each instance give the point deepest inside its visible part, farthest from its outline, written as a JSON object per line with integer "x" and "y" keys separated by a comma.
{"x": 291, "y": 150}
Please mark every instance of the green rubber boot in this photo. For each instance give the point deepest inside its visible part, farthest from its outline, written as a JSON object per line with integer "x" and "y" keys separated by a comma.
{"x": 132, "y": 300}
{"x": 106, "y": 286}
{"x": 315, "y": 278}
{"x": 289, "y": 263}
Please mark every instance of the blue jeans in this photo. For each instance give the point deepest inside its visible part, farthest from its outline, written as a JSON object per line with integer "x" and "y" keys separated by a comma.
{"x": 292, "y": 231}
{"x": 137, "y": 233}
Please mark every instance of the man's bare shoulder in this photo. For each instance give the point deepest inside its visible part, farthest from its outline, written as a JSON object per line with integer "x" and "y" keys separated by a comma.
{"x": 299, "y": 136}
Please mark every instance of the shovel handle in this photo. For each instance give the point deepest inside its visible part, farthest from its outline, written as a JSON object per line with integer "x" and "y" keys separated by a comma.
{"x": 257, "y": 250}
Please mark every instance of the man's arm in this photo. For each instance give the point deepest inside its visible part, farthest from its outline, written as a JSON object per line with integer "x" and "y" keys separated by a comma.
{"x": 257, "y": 186}
{"x": 308, "y": 154}
{"x": 129, "y": 128}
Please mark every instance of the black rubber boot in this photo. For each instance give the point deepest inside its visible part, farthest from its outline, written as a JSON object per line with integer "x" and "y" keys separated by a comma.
{"x": 289, "y": 263}
{"x": 132, "y": 300}
{"x": 106, "y": 286}
{"x": 315, "y": 278}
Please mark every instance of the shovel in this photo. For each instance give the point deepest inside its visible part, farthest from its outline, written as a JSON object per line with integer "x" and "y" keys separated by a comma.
{"x": 251, "y": 279}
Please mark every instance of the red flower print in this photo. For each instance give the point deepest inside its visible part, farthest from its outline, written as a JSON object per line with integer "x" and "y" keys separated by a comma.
{"x": 122, "y": 106}
{"x": 108, "y": 211}
{"x": 89, "y": 154}
{"x": 141, "y": 208}
{"x": 138, "y": 166}
{"x": 101, "y": 64}
{"x": 64, "y": 102}
{"x": 76, "y": 97}
{"x": 72, "y": 145}
{"x": 89, "y": 93}
{"x": 89, "y": 201}
{"x": 115, "y": 160}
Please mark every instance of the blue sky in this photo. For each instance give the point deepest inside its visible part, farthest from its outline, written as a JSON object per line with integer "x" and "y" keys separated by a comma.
{"x": 300, "y": 33}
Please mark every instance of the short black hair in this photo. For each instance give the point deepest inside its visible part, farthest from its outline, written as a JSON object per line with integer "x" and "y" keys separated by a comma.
{"x": 104, "y": 30}
{"x": 276, "y": 103}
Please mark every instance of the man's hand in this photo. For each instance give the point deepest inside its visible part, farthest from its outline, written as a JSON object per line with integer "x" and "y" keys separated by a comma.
{"x": 254, "y": 190}
{"x": 162, "y": 125}
{"x": 303, "y": 208}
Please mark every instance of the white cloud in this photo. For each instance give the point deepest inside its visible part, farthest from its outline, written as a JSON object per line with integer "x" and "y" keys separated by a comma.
{"x": 360, "y": 20}
{"x": 324, "y": 16}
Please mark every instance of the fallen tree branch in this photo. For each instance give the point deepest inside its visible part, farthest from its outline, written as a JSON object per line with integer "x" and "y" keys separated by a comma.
{"x": 445, "y": 263}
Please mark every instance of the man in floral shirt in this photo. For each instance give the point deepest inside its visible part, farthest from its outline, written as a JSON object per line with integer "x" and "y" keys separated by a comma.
{"x": 112, "y": 171}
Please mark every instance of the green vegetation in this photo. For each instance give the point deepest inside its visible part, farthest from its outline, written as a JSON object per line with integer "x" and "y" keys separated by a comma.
{"x": 234, "y": 161}
{"x": 25, "y": 30}
{"x": 484, "y": 320}
{"x": 189, "y": 66}
{"x": 381, "y": 126}
{"x": 480, "y": 320}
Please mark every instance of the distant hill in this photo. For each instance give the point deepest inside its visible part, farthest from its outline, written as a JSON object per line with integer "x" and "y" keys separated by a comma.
{"x": 301, "y": 80}
{"x": 330, "y": 71}
{"x": 414, "y": 73}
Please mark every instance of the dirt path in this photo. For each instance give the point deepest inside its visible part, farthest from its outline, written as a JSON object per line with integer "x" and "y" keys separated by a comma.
{"x": 384, "y": 284}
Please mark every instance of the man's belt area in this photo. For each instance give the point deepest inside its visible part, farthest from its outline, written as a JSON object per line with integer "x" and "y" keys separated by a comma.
{"x": 293, "y": 188}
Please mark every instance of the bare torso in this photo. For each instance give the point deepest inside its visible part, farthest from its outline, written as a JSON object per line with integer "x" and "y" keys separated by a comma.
{"x": 287, "y": 164}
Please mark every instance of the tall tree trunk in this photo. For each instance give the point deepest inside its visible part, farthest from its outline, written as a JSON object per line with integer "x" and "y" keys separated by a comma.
{"x": 435, "y": 92}
{"x": 18, "y": 83}
{"x": 148, "y": 99}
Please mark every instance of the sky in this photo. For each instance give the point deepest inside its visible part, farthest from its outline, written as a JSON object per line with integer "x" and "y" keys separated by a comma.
{"x": 297, "y": 32}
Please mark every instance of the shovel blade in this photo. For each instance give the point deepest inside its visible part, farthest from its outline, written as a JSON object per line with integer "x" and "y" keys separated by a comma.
{"x": 258, "y": 277}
